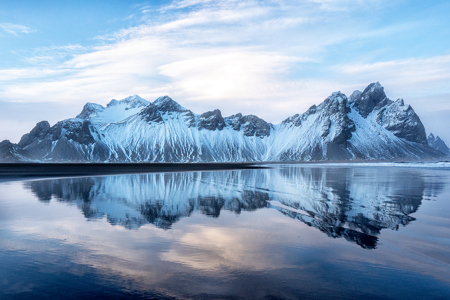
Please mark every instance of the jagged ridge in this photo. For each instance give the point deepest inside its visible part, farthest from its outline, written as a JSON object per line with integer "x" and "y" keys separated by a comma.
{"x": 438, "y": 144}
{"x": 366, "y": 126}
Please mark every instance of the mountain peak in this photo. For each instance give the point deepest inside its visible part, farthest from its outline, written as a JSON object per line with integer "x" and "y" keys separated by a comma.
{"x": 130, "y": 101}
{"x": 355, "y": 95}
{"x": 167, "y": 104}
{"x": 375, "y": 85}
{"x": 38, "y": 132}
{"x": 135, "y": 98}
{"x": 90, "y": 110}
{"x": 337, "y": 96}
{"x": 400, "y": 102}
{"x": 211, "y": 120}
{"x": 437, "y": 143}
{"x": 372, "y": 96}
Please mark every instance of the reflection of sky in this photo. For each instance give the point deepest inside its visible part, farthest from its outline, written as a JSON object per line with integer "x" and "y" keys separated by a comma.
{"x": 260, "y": 249}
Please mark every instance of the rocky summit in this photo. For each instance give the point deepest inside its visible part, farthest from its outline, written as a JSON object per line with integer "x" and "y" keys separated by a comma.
{"x": 367, "y": 125}
{"x": 437, "y": 143}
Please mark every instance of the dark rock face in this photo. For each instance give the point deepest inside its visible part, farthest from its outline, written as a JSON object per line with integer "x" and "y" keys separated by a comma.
{"x": 211, "y": 120}
{"x": 65, "y": 141}
{"x": 402, "y": 121}
{"x": 113, "y": 102}
{"x": 334, "y": 112}
{"x": 251, "y": 125}
{"x": 9, "y": 152}
{"x": 151, "y": 114}
{"x": 189, "y": 118}
{"x": 37, "y": 143}
{"x": 295, "y": 120}
{"x": 355, "y": 95}
{"x": 80, "y": 133}
{"x": 344, "y": 125}
{"x": 438, "y": 144}
{"x": 166, "y": 104}
{"x": 234, "y": 121}
{"x": 372, "y": 96}
{"x": 254, "y": 126}
{"x": 37, "y": 133}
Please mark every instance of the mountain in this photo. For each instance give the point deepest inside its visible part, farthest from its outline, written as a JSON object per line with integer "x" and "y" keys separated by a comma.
{"x": 438, "y": 144}
{"x": 365, "y": 126}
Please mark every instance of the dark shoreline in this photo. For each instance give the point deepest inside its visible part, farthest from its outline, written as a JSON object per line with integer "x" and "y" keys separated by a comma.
{"x": 11, "y": 171}
{"x": 19, "y": 171}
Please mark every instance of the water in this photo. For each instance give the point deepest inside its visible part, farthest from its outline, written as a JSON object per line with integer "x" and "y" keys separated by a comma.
{"x": 294, "y": 231}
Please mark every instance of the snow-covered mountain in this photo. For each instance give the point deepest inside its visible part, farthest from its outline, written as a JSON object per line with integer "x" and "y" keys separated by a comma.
{"x": 365, "y": 126}
{"x": 438, "y": 144}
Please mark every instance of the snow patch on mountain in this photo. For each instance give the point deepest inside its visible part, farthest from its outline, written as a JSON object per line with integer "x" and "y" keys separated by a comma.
{"x": 114, "y": 111}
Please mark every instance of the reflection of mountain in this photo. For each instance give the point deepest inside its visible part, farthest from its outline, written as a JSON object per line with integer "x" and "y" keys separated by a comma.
{"x": 160, "y": 199}
{"x": 364, "y": 240}
{"x": 363, "y": 199}
{"x": 354, "y": 203}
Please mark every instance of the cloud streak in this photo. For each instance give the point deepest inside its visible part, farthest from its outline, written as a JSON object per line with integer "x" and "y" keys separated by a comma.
{"x": 414, "y": 77}
{"x": 14, "y": 29}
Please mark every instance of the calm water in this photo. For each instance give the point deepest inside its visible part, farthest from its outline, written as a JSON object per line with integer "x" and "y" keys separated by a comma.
{"x": 289, "y": 232}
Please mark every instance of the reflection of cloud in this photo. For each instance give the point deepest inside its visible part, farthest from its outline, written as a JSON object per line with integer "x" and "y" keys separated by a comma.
{"x": 209, "y": 249}
{"x": 134, "y": 257}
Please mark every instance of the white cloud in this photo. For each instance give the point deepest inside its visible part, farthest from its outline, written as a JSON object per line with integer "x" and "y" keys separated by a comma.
{"x": 408, "y": 77}
{"x": 14, "y": 74}
{"x": 185, "y": 3}
{"x": 345, "y": 5}
{"x": 228, "y": 74}
{"x": 14, "y": 29}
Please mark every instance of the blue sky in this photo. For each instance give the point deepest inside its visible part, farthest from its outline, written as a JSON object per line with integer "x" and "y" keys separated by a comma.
{"x": 272, "y": 58}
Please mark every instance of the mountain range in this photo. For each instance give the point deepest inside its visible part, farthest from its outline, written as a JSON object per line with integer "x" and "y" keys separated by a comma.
{"x": 366, "y": 125}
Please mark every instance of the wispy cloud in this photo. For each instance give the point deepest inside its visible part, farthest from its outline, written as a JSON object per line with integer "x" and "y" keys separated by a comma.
{"x": 430, "y": 75}
{"x": 185, "y": 3}
{"x": 347, "y": 5}
{"x": 14, "y": 29}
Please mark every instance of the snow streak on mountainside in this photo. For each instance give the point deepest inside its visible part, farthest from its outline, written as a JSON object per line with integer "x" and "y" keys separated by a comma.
{"x": 366, "y": 126}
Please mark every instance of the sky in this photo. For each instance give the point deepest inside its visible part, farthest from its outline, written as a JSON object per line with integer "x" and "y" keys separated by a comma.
{"x": 270, "y": 58}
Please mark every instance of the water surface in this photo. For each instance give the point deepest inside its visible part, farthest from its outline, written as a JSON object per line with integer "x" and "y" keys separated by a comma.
{"x": 294, "y": 231}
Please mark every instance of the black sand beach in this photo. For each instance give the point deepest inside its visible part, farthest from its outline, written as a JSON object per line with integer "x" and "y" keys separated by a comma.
{"x": 9, "y": 171}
